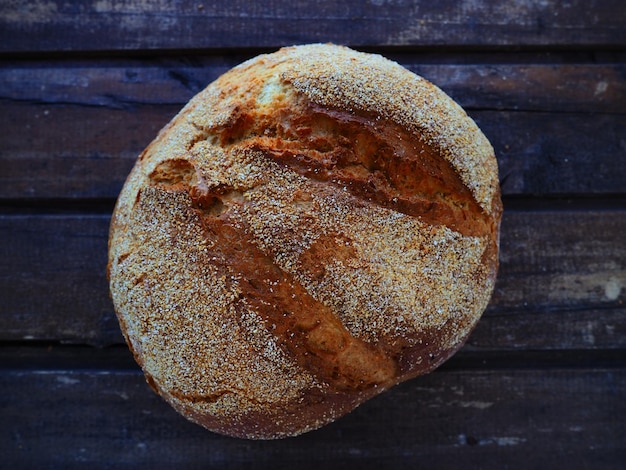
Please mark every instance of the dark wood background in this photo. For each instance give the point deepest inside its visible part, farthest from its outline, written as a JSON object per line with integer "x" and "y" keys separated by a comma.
{"x": 84, "y": 87}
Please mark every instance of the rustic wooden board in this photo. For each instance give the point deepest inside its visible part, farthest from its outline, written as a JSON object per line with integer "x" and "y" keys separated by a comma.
{"x": 91, "y": 149}
{"x": 545, "y": 154}
{"x": 86, "y": 85}
{"x": 537, "y": 330}
{"x": 502, "y": 418}
{"x": 158, "y": 24}
{"x": 561, "y": 258}
{"x": 53, "y": 279}
{"x": 487, "y": 83}
{"x": 555, "y": 266}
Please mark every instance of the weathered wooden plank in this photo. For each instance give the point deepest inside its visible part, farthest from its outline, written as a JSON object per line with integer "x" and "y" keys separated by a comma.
{"x": 547, "y": 154}
{"x": 599, "y": 88}
{"x": 91, "y": 149}
{"x": 533, "y": 329}
{"x": 538, "y": 418}
{"x": 53, "y": 279}
{"x": 554, "y": 87}
{"x": 158, "y": 24}
{"x": 562, "y": 281}
{"x": 569, "y": 259}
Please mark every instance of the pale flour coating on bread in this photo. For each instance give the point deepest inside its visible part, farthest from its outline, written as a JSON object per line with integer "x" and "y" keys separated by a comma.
{"x": 191, "y": 339}
{"x": 341, "y": 77}
{"x": 314, "y": 227}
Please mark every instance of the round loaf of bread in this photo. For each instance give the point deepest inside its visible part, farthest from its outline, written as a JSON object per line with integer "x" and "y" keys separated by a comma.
{"x": 313, "y": 228}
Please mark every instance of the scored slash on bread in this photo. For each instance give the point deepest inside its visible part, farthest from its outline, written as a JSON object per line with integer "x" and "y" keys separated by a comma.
{"x": 313, "y": 228}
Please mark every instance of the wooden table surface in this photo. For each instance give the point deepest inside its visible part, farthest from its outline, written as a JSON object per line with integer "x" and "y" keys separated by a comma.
{"x": 541, "y": 383}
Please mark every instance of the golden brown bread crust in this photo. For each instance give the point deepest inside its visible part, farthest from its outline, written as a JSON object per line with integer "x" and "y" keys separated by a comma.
{"x": 313, "y": 228}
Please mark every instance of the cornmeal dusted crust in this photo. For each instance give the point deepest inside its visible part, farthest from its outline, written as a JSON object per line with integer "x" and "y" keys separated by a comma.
{"x": 313, "y": 228}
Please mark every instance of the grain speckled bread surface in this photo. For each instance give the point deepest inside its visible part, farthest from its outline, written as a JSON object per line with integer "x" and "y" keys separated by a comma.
{"x": 313, "y": 228}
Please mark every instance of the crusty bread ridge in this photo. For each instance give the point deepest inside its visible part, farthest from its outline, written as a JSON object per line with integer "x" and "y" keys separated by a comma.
{"x": 313, "y": 228}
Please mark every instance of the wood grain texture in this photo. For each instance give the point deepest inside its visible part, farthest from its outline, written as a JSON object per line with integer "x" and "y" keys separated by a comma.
{"x": 556, "y": 330}
{"x": 89, "y": 150}
{"x": 561, "y": 258}
{"x": 485, "y": 81}
{"x": 532, "y": 418}
{"x": 44, "y": 25}
{"x": 53, "y": 279}
{"x": 557, "y": 269}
